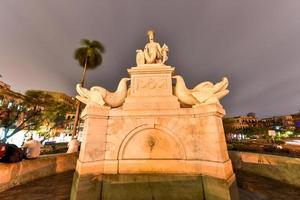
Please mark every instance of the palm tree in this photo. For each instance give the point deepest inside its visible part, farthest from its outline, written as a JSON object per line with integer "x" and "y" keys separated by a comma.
{"x": 89, "y": 56}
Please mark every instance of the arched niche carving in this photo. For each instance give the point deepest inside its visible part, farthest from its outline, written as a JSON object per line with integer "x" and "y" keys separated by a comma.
{"x": 151, "y": 142}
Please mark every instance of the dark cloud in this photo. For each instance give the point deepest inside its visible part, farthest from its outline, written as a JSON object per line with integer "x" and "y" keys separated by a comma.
{"x": 255, "y": 43}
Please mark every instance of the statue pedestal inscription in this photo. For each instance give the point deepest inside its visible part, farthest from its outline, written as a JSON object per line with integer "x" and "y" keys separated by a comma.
{"x": 150, "y": 147}
{"x": 151, "y": 88}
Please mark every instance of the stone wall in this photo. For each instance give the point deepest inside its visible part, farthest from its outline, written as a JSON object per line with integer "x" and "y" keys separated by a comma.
{"x": 284, "y": 169}
{"x": 14, "y": 174}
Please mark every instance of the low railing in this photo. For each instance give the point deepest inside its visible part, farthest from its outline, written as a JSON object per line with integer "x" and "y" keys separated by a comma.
{"x": 13, "y": 174}
{"x": 284, "y": 169}
{"x": 281, "y": 168}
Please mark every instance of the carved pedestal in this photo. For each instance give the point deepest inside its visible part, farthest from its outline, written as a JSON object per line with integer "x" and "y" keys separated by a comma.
{"x": 89, "y": 172}
{"x": 151, "y": 148}
{"x": 151, "y": 88}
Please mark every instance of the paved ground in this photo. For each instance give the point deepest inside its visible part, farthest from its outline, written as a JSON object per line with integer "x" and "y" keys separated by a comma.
{"x": 254, "y": 187}
{"x": 58, "y": 188}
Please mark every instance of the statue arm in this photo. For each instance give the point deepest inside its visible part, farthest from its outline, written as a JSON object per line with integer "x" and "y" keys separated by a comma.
{"x": 159, "y": 48}
{"x": 146, "y": 48}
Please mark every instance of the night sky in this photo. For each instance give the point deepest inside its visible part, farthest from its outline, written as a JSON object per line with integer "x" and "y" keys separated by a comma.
{"x": 255, "y": 43}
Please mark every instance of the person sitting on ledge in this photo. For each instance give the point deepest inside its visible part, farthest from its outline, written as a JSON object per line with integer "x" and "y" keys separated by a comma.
{"x": 73, "y": 145}
{"x": 32, "y": 148}
{"x": 10, "y": 153}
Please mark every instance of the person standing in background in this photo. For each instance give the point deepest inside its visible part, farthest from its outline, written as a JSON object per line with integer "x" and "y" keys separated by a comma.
{"x": 73, "y": 145}
{"x": 32, "y": 148}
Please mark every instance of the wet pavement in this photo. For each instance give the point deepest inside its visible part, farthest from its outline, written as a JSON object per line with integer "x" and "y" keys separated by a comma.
{"x": 58, "y": 187}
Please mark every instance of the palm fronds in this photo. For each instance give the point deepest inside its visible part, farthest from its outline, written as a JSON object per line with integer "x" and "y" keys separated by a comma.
{"x": 90, "y": 52}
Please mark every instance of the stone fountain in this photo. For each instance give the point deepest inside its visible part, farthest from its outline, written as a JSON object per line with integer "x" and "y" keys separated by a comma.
{"x": 151, "y": 139}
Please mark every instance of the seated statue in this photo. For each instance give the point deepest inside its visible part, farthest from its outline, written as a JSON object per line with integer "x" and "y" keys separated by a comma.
{"x": 153, "y": 52}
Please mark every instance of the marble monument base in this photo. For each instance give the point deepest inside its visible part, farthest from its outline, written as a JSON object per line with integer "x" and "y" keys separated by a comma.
{"x": 154, "y": 186}
{"x": 151, "y": 148}
{"x": 146, "y": 154}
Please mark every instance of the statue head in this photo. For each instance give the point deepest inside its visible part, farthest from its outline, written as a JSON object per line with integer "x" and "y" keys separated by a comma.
{"x": 151, "y": 35}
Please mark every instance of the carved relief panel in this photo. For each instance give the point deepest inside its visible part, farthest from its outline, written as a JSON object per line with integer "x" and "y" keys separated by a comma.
{"x": 159, "y": 85}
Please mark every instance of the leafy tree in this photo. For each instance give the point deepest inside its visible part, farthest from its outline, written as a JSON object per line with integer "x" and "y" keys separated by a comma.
{"x": 297, "y": 131}
{"x": 52, "y": 117}
{"x": 39, "y": 111}
{"x": 89, "y": 56}
{"x": 227, "y": 123}
{"x": 19, "y": 117}
{"x": 255, "y": 130}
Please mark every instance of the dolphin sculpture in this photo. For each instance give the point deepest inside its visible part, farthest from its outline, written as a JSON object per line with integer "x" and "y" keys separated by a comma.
{"x": 100, "y": 96}
{"x": 203, "y": 93}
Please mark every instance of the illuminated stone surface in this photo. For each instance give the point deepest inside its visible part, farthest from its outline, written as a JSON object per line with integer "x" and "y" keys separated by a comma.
{"x": 203, "y": 93}
{"x": 152, "y": 134}
{"x": 153, "y": 52}
{"x": 100, "y": 96}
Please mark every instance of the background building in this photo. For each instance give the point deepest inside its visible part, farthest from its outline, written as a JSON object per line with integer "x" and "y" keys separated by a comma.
{"x": 296, "y": 119}
{"x": 251, "y": 126}
{"x": 243, "y": 122}
{"x": 279, "y": 123}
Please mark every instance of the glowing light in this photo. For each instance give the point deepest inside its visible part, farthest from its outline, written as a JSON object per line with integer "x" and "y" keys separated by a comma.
{"x": 10, "y": 104}
{"x": 289, "y": 132}
{"x": 294, "y": 142}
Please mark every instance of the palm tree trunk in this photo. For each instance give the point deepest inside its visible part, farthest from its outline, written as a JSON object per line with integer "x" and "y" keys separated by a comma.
{"x": 74, "y": 131}
{"x": 84, "y": 72}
